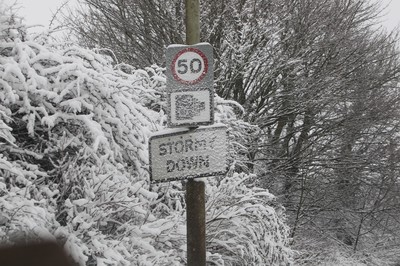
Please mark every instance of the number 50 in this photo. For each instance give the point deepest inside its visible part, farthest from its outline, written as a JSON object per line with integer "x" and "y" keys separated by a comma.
{"x": 195, "y": 66}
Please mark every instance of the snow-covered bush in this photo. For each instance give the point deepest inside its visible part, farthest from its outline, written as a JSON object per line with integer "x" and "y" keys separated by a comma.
{"x": 74, "y": 133}
{"x": 242, "y": 224}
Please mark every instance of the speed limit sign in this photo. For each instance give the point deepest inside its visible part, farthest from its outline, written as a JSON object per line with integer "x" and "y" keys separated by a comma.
{"x": 189, "y": 66}
{"x": 190, "y": 80}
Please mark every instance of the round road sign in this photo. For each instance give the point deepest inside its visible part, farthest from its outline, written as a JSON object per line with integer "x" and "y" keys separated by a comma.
{"x": 189, "y": 66}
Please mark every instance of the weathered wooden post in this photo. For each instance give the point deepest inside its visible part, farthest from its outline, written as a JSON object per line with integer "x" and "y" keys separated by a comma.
{"x": 192, "y": 21}
{"x": 195, "y": 190}
{"x": 195, "y": 222}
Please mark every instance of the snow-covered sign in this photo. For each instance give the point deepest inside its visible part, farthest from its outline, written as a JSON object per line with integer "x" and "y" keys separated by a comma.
{"x": 190, "y": 107}
{"x": 183, "y": 153}
{"x": 190, "y": 85}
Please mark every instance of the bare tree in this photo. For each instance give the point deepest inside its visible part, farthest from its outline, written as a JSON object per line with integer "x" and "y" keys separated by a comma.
{"x": 136, "y": 31}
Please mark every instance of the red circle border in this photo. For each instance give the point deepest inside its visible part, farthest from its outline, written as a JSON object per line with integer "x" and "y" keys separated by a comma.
{"x": 197, "y": 51}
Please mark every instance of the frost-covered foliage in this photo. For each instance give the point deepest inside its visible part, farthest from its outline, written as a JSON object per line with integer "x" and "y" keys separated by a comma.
{"x": 74, "y": 133}
{"x": 237, "y": 219}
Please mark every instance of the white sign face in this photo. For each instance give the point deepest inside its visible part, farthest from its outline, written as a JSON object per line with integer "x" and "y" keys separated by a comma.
{"x": 190, "y": 108}
{"x": 188, "y": 154}
{"x": 190, "y": 81}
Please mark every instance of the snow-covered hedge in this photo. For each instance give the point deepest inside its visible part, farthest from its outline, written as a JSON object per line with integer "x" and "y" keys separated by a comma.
{"x": 74, "y": 133}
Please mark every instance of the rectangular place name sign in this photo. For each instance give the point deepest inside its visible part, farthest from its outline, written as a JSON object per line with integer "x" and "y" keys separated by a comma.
{"x": 182, "y": 154}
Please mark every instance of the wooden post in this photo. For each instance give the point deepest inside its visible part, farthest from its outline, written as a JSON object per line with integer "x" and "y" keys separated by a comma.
{"x": 192, "y": 21}
{"x": 195, "y": 222}
{"x": 195, "y": 202}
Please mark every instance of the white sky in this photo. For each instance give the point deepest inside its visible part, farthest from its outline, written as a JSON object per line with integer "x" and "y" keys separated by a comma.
{"x": 37, "y": 12}
{"x": 40, "y": 11}
{"x": 392, "y": 17}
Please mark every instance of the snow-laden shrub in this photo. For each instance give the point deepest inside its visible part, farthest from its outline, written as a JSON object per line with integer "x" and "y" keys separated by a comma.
{"x": 74, "y": 133}
{"x": 242, "y": 224}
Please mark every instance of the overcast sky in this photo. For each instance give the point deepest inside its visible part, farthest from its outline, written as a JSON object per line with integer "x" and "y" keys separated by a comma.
{"x": 392, "y": 18}
{"x": 40, "y": 11}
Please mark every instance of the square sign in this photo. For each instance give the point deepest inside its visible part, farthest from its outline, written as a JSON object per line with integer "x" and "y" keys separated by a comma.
{"x": 190, "y": 79}
{"x": 191, "y": 107}
{"x": 182, "y": 153}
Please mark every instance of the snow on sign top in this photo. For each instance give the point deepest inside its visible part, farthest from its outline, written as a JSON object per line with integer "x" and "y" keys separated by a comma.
{"x": 189, "y": 66}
